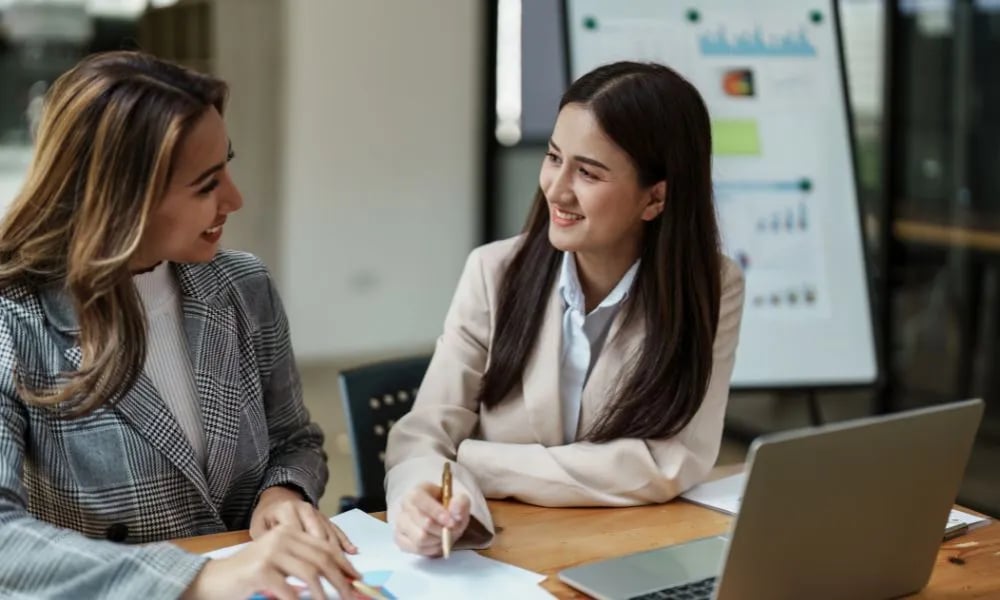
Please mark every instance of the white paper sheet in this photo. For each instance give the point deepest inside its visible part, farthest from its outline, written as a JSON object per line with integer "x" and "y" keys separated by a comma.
{"x": 405, "y": 576}
{"x": 725, "y": 495}
{"x": 958, "y": 516}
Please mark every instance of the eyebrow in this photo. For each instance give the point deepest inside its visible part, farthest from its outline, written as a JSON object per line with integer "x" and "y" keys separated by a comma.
{"x": 583, "y": 159}
{"x": 214, "y": 168}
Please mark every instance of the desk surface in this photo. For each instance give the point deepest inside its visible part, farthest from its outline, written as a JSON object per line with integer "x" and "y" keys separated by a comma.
{"x": 547, "y": 540}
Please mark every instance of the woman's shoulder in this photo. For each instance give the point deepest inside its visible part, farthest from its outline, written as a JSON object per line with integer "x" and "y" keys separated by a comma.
{"x": 236, "y": 264}
{"x": 20, "y": 304}
{"x": 732, "y": 274}
{"x": 494, "y": 257}
{"x": 733, "y": 288}
{"x": 33, "y": 320}
{"x": 228, "y": 270}
{"x": 231, "y": 277}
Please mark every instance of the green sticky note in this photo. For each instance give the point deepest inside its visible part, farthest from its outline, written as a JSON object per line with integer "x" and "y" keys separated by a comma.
{"x": 735, "y": 137}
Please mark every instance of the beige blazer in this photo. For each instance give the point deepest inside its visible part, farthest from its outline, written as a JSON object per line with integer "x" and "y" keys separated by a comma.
{"x": 516, "y": 450}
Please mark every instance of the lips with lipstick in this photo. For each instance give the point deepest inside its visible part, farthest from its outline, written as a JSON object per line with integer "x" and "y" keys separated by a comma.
{"x": 564, "y": 218}
{"x": 213, "y": 233}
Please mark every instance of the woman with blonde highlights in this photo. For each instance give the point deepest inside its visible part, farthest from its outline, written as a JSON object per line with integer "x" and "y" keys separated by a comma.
{"x": 148, "y": 389}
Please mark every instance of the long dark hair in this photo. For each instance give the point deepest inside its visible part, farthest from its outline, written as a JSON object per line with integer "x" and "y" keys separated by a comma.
{"x": 103, "y": 159}
{"x": 661, "y": 122}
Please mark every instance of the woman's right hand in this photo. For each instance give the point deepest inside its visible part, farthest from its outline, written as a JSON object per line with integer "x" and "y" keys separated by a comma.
{"x": 265, "y": 563}
{"x": 421, "y": 518}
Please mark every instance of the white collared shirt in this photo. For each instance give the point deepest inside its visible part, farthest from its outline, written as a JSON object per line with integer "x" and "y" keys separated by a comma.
{"x": 583, "y": 337}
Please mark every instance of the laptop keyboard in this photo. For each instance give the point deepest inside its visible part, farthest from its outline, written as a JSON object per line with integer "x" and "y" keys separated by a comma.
{"x": 696, "y": 590}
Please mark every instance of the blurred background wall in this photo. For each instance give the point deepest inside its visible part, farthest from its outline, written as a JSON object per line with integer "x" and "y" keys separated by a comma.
{"x": 359, "y": 158}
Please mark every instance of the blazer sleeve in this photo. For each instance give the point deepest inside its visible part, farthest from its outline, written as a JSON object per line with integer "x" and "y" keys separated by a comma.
{"x": 623, "y": 472}
{"x": 39, "y": 560}
{"x": 445, "y": 411}
{"x": 297, "y": 458}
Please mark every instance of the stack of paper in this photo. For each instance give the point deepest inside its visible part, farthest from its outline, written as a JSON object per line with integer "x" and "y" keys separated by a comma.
{"x": 396, "y": 574}
{"x": 724, "y": 495}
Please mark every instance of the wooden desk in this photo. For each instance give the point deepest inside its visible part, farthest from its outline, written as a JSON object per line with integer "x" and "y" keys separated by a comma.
{"x": 547, "y": 540}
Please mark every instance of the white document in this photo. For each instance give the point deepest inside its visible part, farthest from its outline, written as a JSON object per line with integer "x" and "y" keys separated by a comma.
{"x": 725, "y": 495}
{"x": 403, "y": 576}
{"x": 958, "y": 516}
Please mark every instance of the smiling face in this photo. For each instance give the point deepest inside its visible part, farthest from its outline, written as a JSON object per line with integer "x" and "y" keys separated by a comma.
{"x": 596, "y": 204}
{"x": 186, "y": 225}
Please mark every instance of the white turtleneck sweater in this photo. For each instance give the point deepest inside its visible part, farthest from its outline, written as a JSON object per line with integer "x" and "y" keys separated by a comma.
{"x": 168, "y": 360}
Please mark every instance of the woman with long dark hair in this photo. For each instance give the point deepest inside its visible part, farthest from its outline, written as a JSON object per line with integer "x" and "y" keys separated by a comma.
{"x": 585, "y": 362}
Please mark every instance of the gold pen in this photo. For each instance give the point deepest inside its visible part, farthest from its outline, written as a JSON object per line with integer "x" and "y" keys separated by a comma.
{"x": 445, "y": 499}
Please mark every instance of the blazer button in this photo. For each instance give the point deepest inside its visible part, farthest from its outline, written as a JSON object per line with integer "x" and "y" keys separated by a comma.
{"x": 117, "y": 532}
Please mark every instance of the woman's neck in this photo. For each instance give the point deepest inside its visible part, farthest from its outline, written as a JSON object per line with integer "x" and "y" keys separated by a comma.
{"x": 139, "y": 270}
{"x": 599, "y": 273}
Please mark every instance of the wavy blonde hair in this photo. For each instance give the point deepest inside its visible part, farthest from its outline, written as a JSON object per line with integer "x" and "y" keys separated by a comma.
{"x": 102, "y": 162}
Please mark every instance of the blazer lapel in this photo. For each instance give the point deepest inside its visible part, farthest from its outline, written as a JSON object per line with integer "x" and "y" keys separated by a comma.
{"x": 146, "y": 411}
{"x": 540, "y": 383}
{"x": 141, "y": 407}
{"x": 215, "y": 358}
{"x": 620, "y": 348}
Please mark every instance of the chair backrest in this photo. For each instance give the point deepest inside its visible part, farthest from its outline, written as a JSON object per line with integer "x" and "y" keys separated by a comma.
{"x": 375, "y": 397}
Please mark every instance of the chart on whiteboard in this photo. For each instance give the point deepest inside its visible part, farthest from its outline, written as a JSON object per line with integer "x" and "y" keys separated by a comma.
{"x": 769, "y": 192}
{"x": 760, "y": 78}
{"x": 770, "y": 230}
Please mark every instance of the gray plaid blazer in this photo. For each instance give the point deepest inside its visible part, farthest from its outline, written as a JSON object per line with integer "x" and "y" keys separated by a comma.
{"x": 126, "y": 472}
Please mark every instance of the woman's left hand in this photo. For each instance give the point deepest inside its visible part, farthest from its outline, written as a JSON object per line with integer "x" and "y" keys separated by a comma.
{"x": 283, "y": 506}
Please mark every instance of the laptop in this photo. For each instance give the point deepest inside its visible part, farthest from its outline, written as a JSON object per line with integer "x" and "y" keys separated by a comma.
{"x": 848, "y": 510}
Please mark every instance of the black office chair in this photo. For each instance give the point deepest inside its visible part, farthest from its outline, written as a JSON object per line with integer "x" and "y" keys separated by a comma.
{"x": 375, "y": 397}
